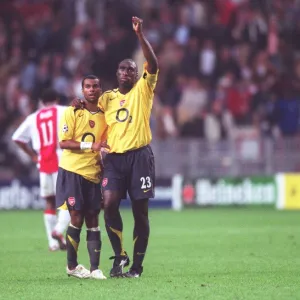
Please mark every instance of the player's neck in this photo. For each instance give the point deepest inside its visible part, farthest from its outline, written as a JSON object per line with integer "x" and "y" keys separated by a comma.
{"x": 91, "y": 106}
{"x": 48, "y": 104}
{"x": 124, "y": 89}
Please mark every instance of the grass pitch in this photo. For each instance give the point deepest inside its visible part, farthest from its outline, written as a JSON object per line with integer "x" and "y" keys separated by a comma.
{"x": 217, "y": 253}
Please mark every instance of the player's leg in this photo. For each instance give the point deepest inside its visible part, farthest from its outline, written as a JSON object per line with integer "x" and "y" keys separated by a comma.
{"x": 114, "y": 228}
{"x": 113, "y": 185}
{"x": 73, "y": 240}
{"x": 92, "y": 206}
{"x": 140, "y": 236}
{"x": 69, "y": 187}
{"x": 142, "y": 183}
{"x": 73, "y": 237}
{"x": 50, "y": 210}
{"x": 93, "y": 238}
{"x": 50, "y": 220}
{"x": 63, "y": 219}
{"x": 113, "y": 220}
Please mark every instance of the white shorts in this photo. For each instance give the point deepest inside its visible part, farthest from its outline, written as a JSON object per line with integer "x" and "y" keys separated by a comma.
{"x": 48, "y": 184}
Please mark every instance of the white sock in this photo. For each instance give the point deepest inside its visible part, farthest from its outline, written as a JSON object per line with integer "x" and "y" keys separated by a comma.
{"x": 63, "y": 221}
{"x": 93, "y": 229}
{"x": 50, "y": 221}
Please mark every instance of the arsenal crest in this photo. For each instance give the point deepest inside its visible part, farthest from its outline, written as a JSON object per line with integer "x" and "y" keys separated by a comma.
{"x": 104, "y": 182}
{"x": 92, "y": 123}
{"x": 122, "y": 102}
{"x": 71, "y": 201}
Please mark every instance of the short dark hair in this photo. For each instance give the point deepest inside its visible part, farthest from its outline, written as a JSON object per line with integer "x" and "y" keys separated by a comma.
{"x": 89, "y": 77}
{"x": 49, "y": 95}
{"x": 128, "y": 60}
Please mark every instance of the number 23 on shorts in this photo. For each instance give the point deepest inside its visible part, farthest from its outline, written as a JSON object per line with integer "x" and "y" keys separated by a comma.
{"x": 146, "y": 183}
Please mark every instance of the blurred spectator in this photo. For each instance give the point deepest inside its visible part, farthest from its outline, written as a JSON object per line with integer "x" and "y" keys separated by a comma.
{"x": 208, "y": 59}
{"x": 224, "y": 64}
{"x": 191, "y": 108}
{"x": 287, "y": 113}
{"x": 218, "y": 123}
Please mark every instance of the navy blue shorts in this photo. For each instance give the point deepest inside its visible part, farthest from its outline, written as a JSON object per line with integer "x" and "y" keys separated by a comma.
{"x": 132, "y": 172}
{"x": 77, "y": 192}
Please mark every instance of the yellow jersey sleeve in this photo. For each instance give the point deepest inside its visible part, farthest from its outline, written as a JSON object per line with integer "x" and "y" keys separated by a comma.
{"x": 148, "y": 80}
{"x": 67, "y": 125}
{"x": 103, "y": 100}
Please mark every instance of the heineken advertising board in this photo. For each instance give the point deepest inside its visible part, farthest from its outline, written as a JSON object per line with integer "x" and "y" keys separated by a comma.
{"x": 225, "y": 191}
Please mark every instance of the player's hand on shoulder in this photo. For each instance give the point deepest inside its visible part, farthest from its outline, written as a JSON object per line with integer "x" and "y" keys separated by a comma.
{"x": 78, "y": 103}
{"x": 137, "y": 25}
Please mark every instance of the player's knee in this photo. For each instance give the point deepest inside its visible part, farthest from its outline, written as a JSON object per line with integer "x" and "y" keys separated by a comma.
{"x": 77, "y": 218}
{"x": 140, "y": 209}
{"x": 143, "y": 219}
{"x": 92, "y": 223}
{"x": 111, "y": 199}
{"x": 108, "y": 205}
{"x": 91, "y": 218}
{"x": 50, "y": 202}
{"x": 142, "y": 227}
{"x": 110, "y": 208}
{"x": 76, "y": 222}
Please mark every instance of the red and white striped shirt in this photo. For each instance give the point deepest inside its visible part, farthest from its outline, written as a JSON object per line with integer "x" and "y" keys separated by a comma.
{"x": 41, "y": 129}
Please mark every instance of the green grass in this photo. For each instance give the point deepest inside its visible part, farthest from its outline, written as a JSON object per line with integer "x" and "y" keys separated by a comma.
{"x": 217, "y": 253}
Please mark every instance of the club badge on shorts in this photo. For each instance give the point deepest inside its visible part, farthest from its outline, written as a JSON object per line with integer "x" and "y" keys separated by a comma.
{"x": 92, "y": 123}
{"x": 104, "y": 182}
{"x": 71, "y": 201}
{"x": 122, "y": 102}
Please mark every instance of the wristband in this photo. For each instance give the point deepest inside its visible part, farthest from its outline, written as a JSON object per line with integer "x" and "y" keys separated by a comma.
{"x": 86, "y": 145}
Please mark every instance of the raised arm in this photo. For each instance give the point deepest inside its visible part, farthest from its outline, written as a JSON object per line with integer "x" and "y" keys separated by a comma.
{"x": 152, "y": 64}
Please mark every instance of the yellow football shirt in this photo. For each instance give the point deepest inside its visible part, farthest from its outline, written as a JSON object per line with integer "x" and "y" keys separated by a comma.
{"x": 128, "y": 116}
{"x": 82, "y": 126}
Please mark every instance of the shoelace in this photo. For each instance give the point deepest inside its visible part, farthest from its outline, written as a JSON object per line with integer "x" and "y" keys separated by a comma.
{"x": 122, "y": 258}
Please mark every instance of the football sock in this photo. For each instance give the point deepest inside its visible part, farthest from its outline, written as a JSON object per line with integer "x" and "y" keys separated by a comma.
{"x": 50, "y": 221}
{"x": 63, "y": 220}
{"x": 140, "y": 240}
{"x": 73, "y": 239}
{"x": 114, "y": 228}
{"x": 93, "y": 238}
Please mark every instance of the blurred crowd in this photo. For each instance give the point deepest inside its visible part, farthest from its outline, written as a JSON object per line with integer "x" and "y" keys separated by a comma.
{"x": 225, "y": 65}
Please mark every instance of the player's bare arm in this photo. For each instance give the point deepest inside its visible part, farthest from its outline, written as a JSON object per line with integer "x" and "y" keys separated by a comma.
{"x": 29, "y": 151}
{"x": 73, "y": 145}
{"x": 149, "y": 54}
